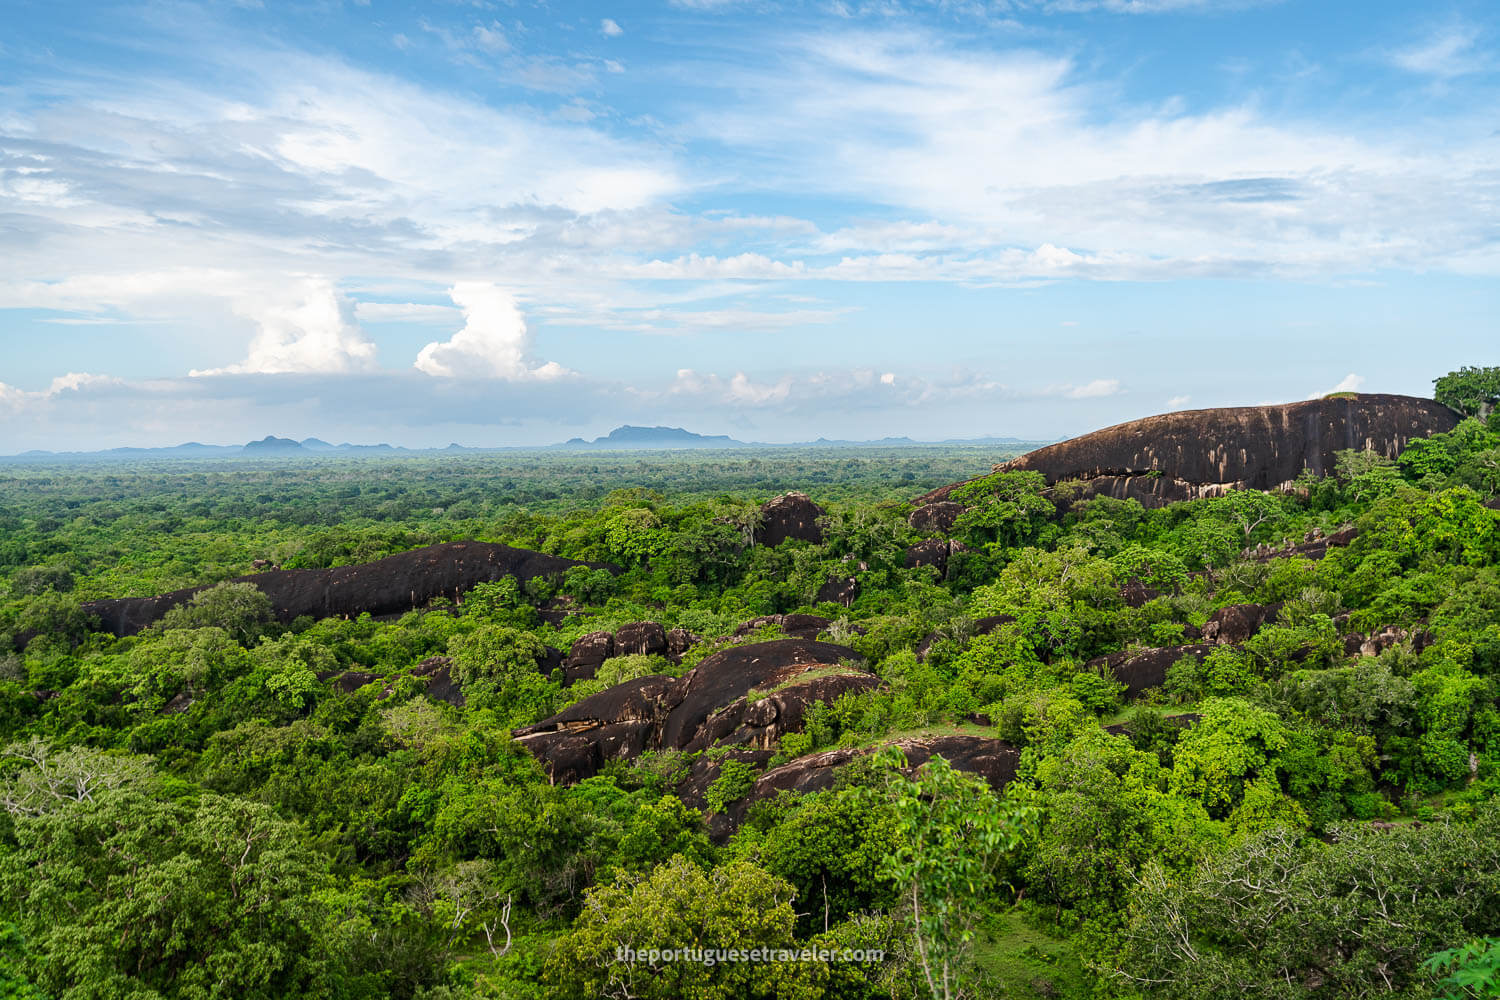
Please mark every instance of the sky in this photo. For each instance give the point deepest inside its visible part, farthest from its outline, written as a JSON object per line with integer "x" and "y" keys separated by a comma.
{"x": 513, "y": 223}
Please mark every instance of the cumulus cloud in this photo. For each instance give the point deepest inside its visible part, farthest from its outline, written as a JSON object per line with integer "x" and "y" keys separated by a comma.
{"x": 1349, "y": 383}
{"x": 611, "y": 28}
{"x": 494, "y": 342}
{"x": 308, "y": 327}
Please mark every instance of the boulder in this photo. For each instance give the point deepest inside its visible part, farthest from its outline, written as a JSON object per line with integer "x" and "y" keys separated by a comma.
{"x": 1203, "y": 453}
{"x": 1233, "y": 624}
{"x": 1376, "y": 642}
{"x": 666, "y": 713}
{"x": 679, "y": 641}
{"x": 393, "y": 585}
{"x": 797, "y": 626}
{"x": 437, "y": 673}
{"x": 933, "y": 552}
{"x": 939, "y": 516}
{"x": 648, "y": 638}
{"x": 1136, "y": 594}
{"x": 792, "y": 515}
{"x": 586, "y": 655}
{"x": 1146, "y": 668}
{"x": 838, "y": 590}
{"x": 1314, "y": 547}
{"x": 993, "y": 760}
{"x": 761, "y": 717}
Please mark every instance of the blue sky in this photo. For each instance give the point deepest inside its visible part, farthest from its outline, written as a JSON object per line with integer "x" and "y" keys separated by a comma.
{"x": 510, "y": 223}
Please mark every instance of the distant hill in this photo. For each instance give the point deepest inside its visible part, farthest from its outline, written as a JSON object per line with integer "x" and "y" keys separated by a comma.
{"x": 654, "y": 438}
{"x": 269, "y": 445}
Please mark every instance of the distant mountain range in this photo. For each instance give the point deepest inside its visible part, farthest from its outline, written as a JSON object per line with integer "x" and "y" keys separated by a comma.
{"x": 624, "y": 438}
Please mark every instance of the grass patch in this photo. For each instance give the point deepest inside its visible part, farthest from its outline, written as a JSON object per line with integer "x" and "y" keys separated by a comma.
{"x": 1019, "y": 959}
{"x": 791, "y": 682}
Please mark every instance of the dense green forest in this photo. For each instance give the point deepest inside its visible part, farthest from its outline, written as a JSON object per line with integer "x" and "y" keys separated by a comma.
{"x": 197, "y": 811}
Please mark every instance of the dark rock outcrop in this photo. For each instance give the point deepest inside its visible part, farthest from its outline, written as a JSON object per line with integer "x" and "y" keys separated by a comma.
{"x": 1378, "y": 641}
{"x": 391, "y": 585}
{"x": 586, "y": 655}
{"x": 792, "y": 515}
{"x": 938, "y": 517}
{"x": 838, "y": 590}
{"x": 437, "y": 673}
{"x": 696, "y": 709}
{"x": 637, "y": 638}
{"x": 1147, "y": 668}
{"x": 797, "y": 626}
{"x": 1315, "y": 546}
{"x": 1203, "y": 453}
{"x": 993, "y": 760}
{"x": 679, "y": 641}
{"x": 1235, "y": 623}
{"x": 933, "y": 552}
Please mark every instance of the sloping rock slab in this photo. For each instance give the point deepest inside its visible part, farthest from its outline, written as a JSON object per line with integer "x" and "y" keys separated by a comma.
{"x": 1202, "y": 453}
{"x": 993, "y": 760}
{"x": 662, "y": 712}
{"x": 938, "y": 517}
{"x": 797, "y": 626}
{"x": 392, "y": 585}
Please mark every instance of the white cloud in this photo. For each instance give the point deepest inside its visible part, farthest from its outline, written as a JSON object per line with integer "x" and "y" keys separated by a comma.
{"x": 611, "y": 28}
{"x": 1446, "y": 53}
{"x": 1178, "y": 402}
{"x": 405, "y": 312}
{"x": 493, "y": 343}
{"x": 1349, "y": 383}
{"x": 308, "y": 327}
{"x": 1095, "y": 389}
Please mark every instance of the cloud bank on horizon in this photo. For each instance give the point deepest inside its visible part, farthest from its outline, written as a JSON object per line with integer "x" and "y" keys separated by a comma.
{"x": 511, "y": 225}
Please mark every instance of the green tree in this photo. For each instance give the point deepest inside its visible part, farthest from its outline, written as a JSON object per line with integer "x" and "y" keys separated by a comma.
{"x": 1471, "y": 391}
{"x": 951, "y": 833}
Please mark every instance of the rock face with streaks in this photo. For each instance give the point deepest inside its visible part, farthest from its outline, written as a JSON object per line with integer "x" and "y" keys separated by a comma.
{"x": 742, "y": 696}
{"x": 790, "y": 516}
{"x": 936, "y": 517}
{"x": 1203, "y": 453}
{"x": 391, "y": 585}
{"x": 1235, "y": 623}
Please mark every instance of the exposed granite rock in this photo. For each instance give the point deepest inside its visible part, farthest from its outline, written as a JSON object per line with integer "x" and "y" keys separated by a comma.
{"x": 586, "y": 655}
{"x": 1147, "y": 668}
{"x": 1235, "y": 623}
{"x": 1315, "y": 546}
{"x": 636, "y": 638}
{"x": 838, "y": 590}
{"x": 760, "y": 722}
{"x": 993, "y": 760}
{"x": 797, "y": 626}
{"x": 661, "y": 712}
{"x": 939, "y": 516}
{"x": 1376, "y": 642}
{"x": 792, "y": 515}
{"x": 1136, "y": 594}
{"x": 392, "y": 585}
{"x": 437, "y": 673}
{"x": 679, "y": 641}
{"x": 1204, "y": 453}
{"x": 933, "y": 552}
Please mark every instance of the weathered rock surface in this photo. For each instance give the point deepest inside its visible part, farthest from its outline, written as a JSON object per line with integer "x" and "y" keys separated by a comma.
{"x": 1202, "y": 453}
{"x": 697, "y": 709}
{"x": 838, "y": 590}
{"x": 437, "y": 673}
{"x": 1315, "y": 546}
{"x": 1376, "y": 642}
{"x": 993, "y": 760}
{"x": 797, "y": 626}
{"x": 933, "y": 552}
{"x": 792, "y": 515}
{"x": 1147, "y": 668}
{"x": 939, "y": 516}
{"x": 391, "y": 585}
{"x": 1235, "y": 623}
{"x": 637, "y": 638}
